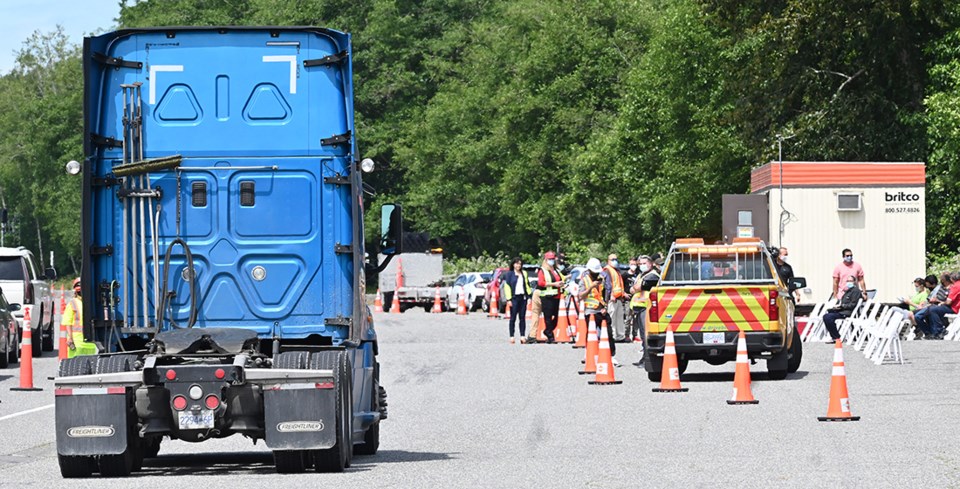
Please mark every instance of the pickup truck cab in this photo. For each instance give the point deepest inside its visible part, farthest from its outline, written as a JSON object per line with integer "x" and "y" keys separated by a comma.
{"x": 707, "y": 294}
{"x": 22, "y": 284}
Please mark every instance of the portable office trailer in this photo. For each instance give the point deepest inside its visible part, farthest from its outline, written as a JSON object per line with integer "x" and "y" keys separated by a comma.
{"x": 816, "y": 209}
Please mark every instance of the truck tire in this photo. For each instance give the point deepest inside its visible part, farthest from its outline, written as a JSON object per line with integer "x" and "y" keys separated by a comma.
{"x": 75, "y": 467}
{"x": 70, "y": 367}
{"x": 795, "y": 354}
{"x": 371, "y": 438}
{"x": 48, "y": 340}
{"x": 291, "y": 461}
{"x": 13, "y": 354}
{"x": 777, "y": 366}
{"x": 119, "y": 465}
{"x": 5, "y": 359}
{"x": 654, "y": 366}
{"x": 337, "y": 457}
{"x": 37, "y": 339}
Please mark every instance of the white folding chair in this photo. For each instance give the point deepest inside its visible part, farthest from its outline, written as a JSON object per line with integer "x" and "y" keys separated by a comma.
{"x": 888, "y": 346}
{"x": 845, "y": 326}
{"x": 953, "y": 328}
{"x": 814, "y": 328}
{"x": 870, "y": 328}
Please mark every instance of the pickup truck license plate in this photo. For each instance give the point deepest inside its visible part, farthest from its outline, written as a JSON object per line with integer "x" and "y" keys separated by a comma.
{"x": 190, "y": 421}
{"x": 709, "y": 339}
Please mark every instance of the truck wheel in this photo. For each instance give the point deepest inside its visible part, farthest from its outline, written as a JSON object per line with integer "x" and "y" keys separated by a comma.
{"x": 654, "y": 366}
{"x": 5, "y": 359}
{"x": 13, "y": 354}
{"x": 131, "y": 459}
{"x": 117, "y": 465}
{"x": 291, "y": 360}
{"x": 152, "y": 447}
{"x": 795, "y": 354}
{"x": 70, "y": 367}
{"x": 682, "y": 364}
{"x": 48, "y": 339}
{"x": 371, "y": 438}
{"x": 777, "y": 366}
{"x": 75, "y": 467}
{"x": 37, "y": 339}
{"x": 290, "y": 461}
{"x": 338, "y": 457}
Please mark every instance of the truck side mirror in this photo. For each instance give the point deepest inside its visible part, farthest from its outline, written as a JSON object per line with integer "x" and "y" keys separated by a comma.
{"x": 797, "y": 283}
{"x": 50, "y": 273}
{"x": 391, "y": 229}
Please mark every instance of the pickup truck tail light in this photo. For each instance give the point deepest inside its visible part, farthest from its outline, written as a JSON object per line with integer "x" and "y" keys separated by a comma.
{"x": 773, "y": 310}
{"x": 27, "y": 292}
{"x": 654, "y": 307}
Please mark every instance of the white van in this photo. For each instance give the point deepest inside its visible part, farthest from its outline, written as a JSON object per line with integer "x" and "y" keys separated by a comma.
{"x": 22, "y": 285}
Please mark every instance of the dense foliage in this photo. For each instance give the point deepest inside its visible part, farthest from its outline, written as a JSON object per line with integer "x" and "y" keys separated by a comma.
{"x": 507, "y": 127}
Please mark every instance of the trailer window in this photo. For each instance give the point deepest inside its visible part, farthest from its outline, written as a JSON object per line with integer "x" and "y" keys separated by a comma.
{"x": 11, "y": 268}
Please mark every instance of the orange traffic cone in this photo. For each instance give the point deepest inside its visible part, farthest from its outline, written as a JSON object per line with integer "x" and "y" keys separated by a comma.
{"x": 26, "y": 357}
{"x": 399, "y": 272}
{"x": 506, "y": 314}
{"x": 604, "y": 362}
{"x": 571, "y": 321}
{"x": 461, "y": 304}
{"x": 63, "y": 301}
{"x": 561, "y": 334}
{"x": 839, "y": 407}
{"x": 670, "y": 378}
{"x": 741, "y": 380}
{"x": 62, "y": 345}
{"x": 529, "y": 313}
{"x": 395, "y": 305}
{"x": 437, "y": 305}
{"x": 581, "y": 329}
{"x": 541, "y": 326}
{"x": 593, "y": 350}
{"x": 494, "y": 305}
{"x": 378, "y": 302}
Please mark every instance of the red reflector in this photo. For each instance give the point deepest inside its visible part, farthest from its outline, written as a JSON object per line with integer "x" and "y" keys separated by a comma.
{"x": 654, "y": 307}
{"x": 219, "y": 373}
{"x": 179, "y": 403}
{"x": 116, "y": 390}
{"x": 171, "y": 374}
{"x": 325, "y": 385}
{"x": 212, "y": 402}
{"x": 63, "y": 392}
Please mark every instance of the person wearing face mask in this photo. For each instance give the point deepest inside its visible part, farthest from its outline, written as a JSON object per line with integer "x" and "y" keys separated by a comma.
{"x": 629, "y": 278}
{"x": 784, "y": 270}
{"x": 516, "y": 289}
{"x": 592, "y": 297}
{"x": 848, "y": 268}
{"x": 648, "y": 279}
{"x": 549, "y": 282}
{"x": 848, "y": 302}
{"x": 910, "y": 304}
{"x": 615, "y": 296}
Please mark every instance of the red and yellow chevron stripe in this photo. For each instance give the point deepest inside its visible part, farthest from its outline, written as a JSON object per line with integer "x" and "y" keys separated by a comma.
{"x": 692, "y": 309}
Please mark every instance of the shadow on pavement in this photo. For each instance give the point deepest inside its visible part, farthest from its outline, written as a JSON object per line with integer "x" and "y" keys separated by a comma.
{"x": 394, "y": 456}
{"x": 728, "y": 377}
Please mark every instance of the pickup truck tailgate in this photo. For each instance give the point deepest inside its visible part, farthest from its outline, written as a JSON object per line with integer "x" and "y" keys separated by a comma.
{"x": 713, "y": 308}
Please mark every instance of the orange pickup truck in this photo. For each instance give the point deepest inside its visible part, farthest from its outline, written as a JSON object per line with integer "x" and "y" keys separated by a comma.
{"x": 707, "y": 294}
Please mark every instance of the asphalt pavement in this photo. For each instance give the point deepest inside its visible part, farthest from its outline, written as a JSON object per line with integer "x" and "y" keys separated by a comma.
{"x": 468, "y": 409}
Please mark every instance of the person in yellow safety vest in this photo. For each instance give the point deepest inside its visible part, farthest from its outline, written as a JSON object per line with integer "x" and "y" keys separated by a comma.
{"x": 640, "y": 302}
{"x": 592, "y": 298}
{"x": 615, "y": 296}
{"x": 516, "y": 289}
{"x": 73, "y": 320}
{"x": 549, "y": 282}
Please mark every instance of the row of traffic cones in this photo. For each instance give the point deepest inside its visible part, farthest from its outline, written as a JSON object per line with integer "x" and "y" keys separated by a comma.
{"x": 838, "y": 408}
{"x": 26, "y": 347}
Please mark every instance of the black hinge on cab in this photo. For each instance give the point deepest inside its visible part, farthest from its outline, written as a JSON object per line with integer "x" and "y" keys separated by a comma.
{"x": 337, "y": 179}
{"x": 326, "y": 60}
{"x": 116, "y": 62}
{"x": 105, "y": 182}
{"x": 101, "y": 250}
{"x": 334, "y": 140}
{"x": 337, "y": 321}
{"x": 107, "y": 141}
{"x": 342, "y": 249}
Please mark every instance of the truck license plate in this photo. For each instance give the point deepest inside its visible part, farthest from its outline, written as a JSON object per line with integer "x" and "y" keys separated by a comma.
{"x": 713, "y": 338}
{"x": 202, "y": 420}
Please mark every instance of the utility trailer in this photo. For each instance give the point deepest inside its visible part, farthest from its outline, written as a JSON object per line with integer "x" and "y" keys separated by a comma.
{"x": 223, "y": 255}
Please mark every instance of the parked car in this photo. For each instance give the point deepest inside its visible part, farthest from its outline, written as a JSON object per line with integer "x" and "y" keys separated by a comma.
{"x": 474, "y": 286}
{"x": 9, "y": 352}
{"x": 22, "y": 284}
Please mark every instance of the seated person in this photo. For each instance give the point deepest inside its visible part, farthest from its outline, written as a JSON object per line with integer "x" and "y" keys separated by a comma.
{"x": 912, "y": 303}
{"x": 848, "y": 302}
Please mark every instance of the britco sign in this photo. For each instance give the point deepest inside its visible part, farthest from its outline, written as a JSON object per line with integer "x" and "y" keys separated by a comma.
{"x": 901, "y": 202}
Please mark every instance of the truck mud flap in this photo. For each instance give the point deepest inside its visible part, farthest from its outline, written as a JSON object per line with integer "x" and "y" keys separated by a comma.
{"x": 300, "y": 416}
{"x": 91, "y": 421}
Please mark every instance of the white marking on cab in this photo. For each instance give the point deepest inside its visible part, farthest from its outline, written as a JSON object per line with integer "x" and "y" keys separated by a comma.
{"x": 292, "y": 59}
{"x": 154, "y": 69}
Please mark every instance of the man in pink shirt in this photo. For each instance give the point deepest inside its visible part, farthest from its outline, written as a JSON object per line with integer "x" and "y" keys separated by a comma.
{"x": 848, "y": 268}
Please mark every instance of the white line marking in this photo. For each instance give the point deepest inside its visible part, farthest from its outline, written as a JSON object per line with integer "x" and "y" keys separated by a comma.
{"x": 28, "y": 411}
{"x": 293, "y": 68}
{"x": 154, "y": 69}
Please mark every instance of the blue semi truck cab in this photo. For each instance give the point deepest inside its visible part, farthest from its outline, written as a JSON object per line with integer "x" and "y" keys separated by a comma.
{"x": 223, "y": 257}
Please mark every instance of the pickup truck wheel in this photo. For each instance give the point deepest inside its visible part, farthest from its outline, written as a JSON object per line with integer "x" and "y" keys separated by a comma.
{"x": 338, "y": 457}
{"x": 13, "y": 354}
{"x": 75, "y": 467}
{"x": 682, "y": 364}
{"x": 654, "y": 366}
{"x": 795, "y": 354}
{"x": 37, "y": 339}
{"x": 48, "y": 339}
{"x": 7, "y": 346}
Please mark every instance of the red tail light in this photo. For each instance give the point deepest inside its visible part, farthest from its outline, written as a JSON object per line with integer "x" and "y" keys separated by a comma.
{"x": 654, "y": 307}
{"x": 27, "y": 292}
{"x": 774, "y": 309}
{"x": 171, "y": 374}
{"x": 212, "y": 402}
{"x": 220, "y": 374}
{"x": 179, "y": 403}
